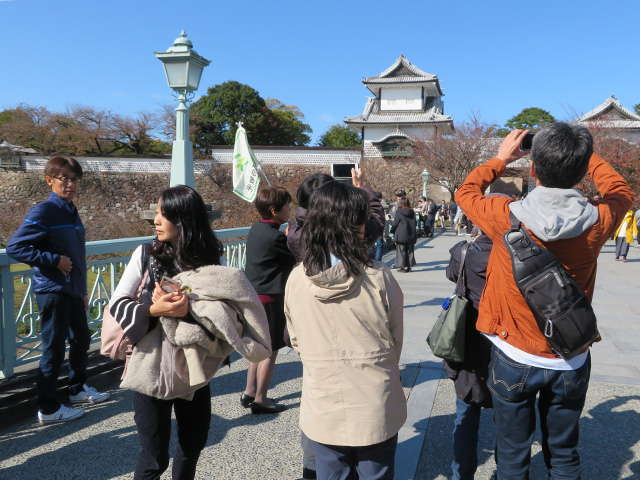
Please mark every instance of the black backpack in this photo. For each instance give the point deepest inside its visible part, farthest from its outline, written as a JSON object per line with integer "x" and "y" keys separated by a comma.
{"x": 559, "y": 305}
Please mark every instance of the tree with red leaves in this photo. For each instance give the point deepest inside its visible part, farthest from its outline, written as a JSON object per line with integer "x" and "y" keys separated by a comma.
{"x": 450, "y": 158}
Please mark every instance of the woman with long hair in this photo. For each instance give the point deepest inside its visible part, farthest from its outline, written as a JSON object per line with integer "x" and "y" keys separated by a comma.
{"x": 184, "y": 242}
{"x": 404, "y": 230}
{"x": 344, "y": 314}
{"x": 268, "y": 265}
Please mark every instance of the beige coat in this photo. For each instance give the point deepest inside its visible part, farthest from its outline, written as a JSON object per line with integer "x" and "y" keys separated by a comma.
{"x": 223, "y": 301}
{"x": 348, "y": 332}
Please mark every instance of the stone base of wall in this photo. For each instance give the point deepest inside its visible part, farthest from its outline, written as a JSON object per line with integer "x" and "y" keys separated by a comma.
{"x": 110, "y": 203}
{"x": 389, "y": 175}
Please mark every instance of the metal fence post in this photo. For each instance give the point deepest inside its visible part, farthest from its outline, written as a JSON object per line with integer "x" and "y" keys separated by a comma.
{"x": 7, "y": 319}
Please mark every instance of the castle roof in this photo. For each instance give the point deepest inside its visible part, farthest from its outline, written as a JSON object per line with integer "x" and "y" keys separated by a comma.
{"x": 614, "y": 114}
{"x": 404, "y": 72}
{"x": 374, "y": 116}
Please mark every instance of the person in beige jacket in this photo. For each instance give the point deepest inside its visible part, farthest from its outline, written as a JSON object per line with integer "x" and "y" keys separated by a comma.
{"x": 344, "y": 315}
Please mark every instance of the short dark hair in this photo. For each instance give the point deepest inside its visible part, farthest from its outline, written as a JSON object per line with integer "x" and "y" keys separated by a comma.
{"x": 561, "y": 154}
{"x": 57, "y": 165}
{"x": 309, "y": 185}
{"x": 271, "y": 198}
{"x": 337, "y": 212}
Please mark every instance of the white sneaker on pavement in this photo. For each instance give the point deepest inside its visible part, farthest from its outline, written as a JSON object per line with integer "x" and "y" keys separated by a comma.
{"x": 62, "y": 415}
{"x": 88, "y": 395}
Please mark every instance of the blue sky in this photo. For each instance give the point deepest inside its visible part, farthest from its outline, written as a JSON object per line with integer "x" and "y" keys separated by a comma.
{"x": 495, "y": 57}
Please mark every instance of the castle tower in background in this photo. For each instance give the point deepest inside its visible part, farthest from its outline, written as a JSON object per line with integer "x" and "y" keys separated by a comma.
{"x": 407, "y": 103}
{"x": 612, "y": 116}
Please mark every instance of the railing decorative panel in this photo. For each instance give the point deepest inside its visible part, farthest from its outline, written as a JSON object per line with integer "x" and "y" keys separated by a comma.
{"x": 20, "y": 339}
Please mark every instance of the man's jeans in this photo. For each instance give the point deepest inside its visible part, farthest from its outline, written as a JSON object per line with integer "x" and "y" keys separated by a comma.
{"x": 62, "y": 317}
{"x": 465, "y": 440}
{"x": 562, "y": 394}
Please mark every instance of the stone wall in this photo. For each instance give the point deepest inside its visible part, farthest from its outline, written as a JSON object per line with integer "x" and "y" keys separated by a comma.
{"x": 110, "y": 203}
{"x": 388, "y": 175}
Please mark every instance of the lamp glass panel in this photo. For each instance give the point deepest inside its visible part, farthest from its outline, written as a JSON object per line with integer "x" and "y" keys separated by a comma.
{"x": 195, "y": 72}
{"x": 176, "y": 74}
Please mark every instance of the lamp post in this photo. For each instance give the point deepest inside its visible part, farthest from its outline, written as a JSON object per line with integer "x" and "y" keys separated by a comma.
{"x": 183, "y": 68}
{"x": 425, "y": 179}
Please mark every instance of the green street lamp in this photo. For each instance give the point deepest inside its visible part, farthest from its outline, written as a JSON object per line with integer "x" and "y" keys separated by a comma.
{"x": 425, "y": 179}
{"x": 183, "y": 68}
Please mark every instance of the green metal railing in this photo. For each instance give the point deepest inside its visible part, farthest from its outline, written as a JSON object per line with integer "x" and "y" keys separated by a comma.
{"x": 20, "y": 341}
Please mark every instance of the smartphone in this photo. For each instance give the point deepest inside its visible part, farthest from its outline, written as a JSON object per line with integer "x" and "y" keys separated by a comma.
{"x": 527, "y": 142}
{"x": 169, "y": 285}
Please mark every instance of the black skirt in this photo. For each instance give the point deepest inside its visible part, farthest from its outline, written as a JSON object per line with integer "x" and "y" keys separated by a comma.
{"x": 277, "y": 322}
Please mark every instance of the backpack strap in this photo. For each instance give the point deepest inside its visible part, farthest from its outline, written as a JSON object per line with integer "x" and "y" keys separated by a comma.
{"x": 527, "y": 256}
{"x": 461, "y": 284}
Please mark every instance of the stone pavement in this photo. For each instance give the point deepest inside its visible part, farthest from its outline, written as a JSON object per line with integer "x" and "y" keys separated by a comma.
{"x": 103, "y": 444}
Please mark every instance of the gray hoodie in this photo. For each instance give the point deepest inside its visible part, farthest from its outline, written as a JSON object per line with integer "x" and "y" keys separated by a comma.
{"x": 555, "y": 213}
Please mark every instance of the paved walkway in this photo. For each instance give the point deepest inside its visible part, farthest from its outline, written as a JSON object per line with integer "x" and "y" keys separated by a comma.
{"x": 103, "y": 444}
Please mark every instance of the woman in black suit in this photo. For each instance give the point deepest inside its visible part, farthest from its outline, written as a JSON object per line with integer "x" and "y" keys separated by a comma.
{"x": 269, "y": 263}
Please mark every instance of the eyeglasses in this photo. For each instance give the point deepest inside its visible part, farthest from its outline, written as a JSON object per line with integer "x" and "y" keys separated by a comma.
{"x": 65, "y": 179}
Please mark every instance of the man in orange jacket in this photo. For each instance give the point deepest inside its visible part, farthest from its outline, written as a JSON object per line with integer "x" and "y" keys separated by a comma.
{"x": 558, "y": 217}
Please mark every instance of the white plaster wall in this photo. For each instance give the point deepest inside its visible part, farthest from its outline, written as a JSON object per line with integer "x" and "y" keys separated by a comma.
{"x": 395, "y": 98}
{"x": 375, "y": 133}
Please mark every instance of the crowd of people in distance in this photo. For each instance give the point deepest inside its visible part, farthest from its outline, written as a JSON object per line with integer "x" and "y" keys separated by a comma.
{"x": 320, "y": 287}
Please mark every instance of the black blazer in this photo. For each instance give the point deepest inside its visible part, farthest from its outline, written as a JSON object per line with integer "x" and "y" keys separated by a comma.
{"x": 269, "y": 261}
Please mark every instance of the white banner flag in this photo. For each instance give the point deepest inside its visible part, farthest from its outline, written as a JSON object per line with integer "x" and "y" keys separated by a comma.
{"x": 245, "y": 168}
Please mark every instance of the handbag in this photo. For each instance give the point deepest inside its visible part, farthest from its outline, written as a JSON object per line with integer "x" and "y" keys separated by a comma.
{"x": 114, "y": 342}
{"x": 447, "y": 337}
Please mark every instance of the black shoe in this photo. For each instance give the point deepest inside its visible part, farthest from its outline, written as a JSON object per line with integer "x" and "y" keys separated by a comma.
{"x": 257, "y": 408}
{"x": 246, "y": 400}
{"x": 307, "y": 473}
{"x": 408, "y": 270}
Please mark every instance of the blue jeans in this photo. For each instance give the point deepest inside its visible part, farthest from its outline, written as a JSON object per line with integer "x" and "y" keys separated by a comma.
{"x": 62, "y": 317}
{"x": 370, "y": 462}
{"x": 379, "y": 245}
{"x": 465, "y": 440}
{"x": 514, "y": 387}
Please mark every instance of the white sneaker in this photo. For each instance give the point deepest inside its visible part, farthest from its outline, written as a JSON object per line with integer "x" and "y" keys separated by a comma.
{"x": 62, "y": 415}
{"x": 89, "y": 395}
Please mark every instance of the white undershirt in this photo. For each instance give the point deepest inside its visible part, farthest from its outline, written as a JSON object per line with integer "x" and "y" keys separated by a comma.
{"x": 525, "y": 358}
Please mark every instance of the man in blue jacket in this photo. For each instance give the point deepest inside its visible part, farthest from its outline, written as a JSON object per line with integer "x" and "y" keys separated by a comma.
{"x": 51, "y": 239}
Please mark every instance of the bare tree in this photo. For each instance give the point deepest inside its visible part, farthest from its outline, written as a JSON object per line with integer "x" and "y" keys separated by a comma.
{"x": 449, "y": 159}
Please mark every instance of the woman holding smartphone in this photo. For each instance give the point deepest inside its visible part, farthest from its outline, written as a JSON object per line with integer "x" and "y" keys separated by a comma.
{"x": 184, "y": 242}
{"x": 344, "y": 314}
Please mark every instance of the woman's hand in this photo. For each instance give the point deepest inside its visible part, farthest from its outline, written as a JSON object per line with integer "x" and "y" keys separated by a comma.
{"x": 168, "y": 304}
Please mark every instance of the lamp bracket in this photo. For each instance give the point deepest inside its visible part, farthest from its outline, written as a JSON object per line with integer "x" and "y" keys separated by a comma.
{"x": 183, "y": 96}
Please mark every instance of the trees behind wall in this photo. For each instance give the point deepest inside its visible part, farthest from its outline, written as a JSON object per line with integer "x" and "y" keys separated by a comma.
{"x": 85, "y": 130}
{"x": 532, "y": 118}
{"x": 450, "y": 159}
{"x": 82, "y": 130}
{"x": 214, "y": 118}
{"x": 340, "y": 135}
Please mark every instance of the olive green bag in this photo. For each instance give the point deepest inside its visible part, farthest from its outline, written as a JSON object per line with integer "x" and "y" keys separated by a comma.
{"x": 446, "y": 339}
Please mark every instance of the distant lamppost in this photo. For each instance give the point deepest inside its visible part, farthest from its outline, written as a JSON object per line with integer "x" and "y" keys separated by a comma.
{"x": 183, "y": 68}
{"x": 425, "y": 179}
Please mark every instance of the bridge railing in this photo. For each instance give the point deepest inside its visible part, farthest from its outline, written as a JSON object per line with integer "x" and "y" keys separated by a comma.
{"x": 20, "y": 339}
